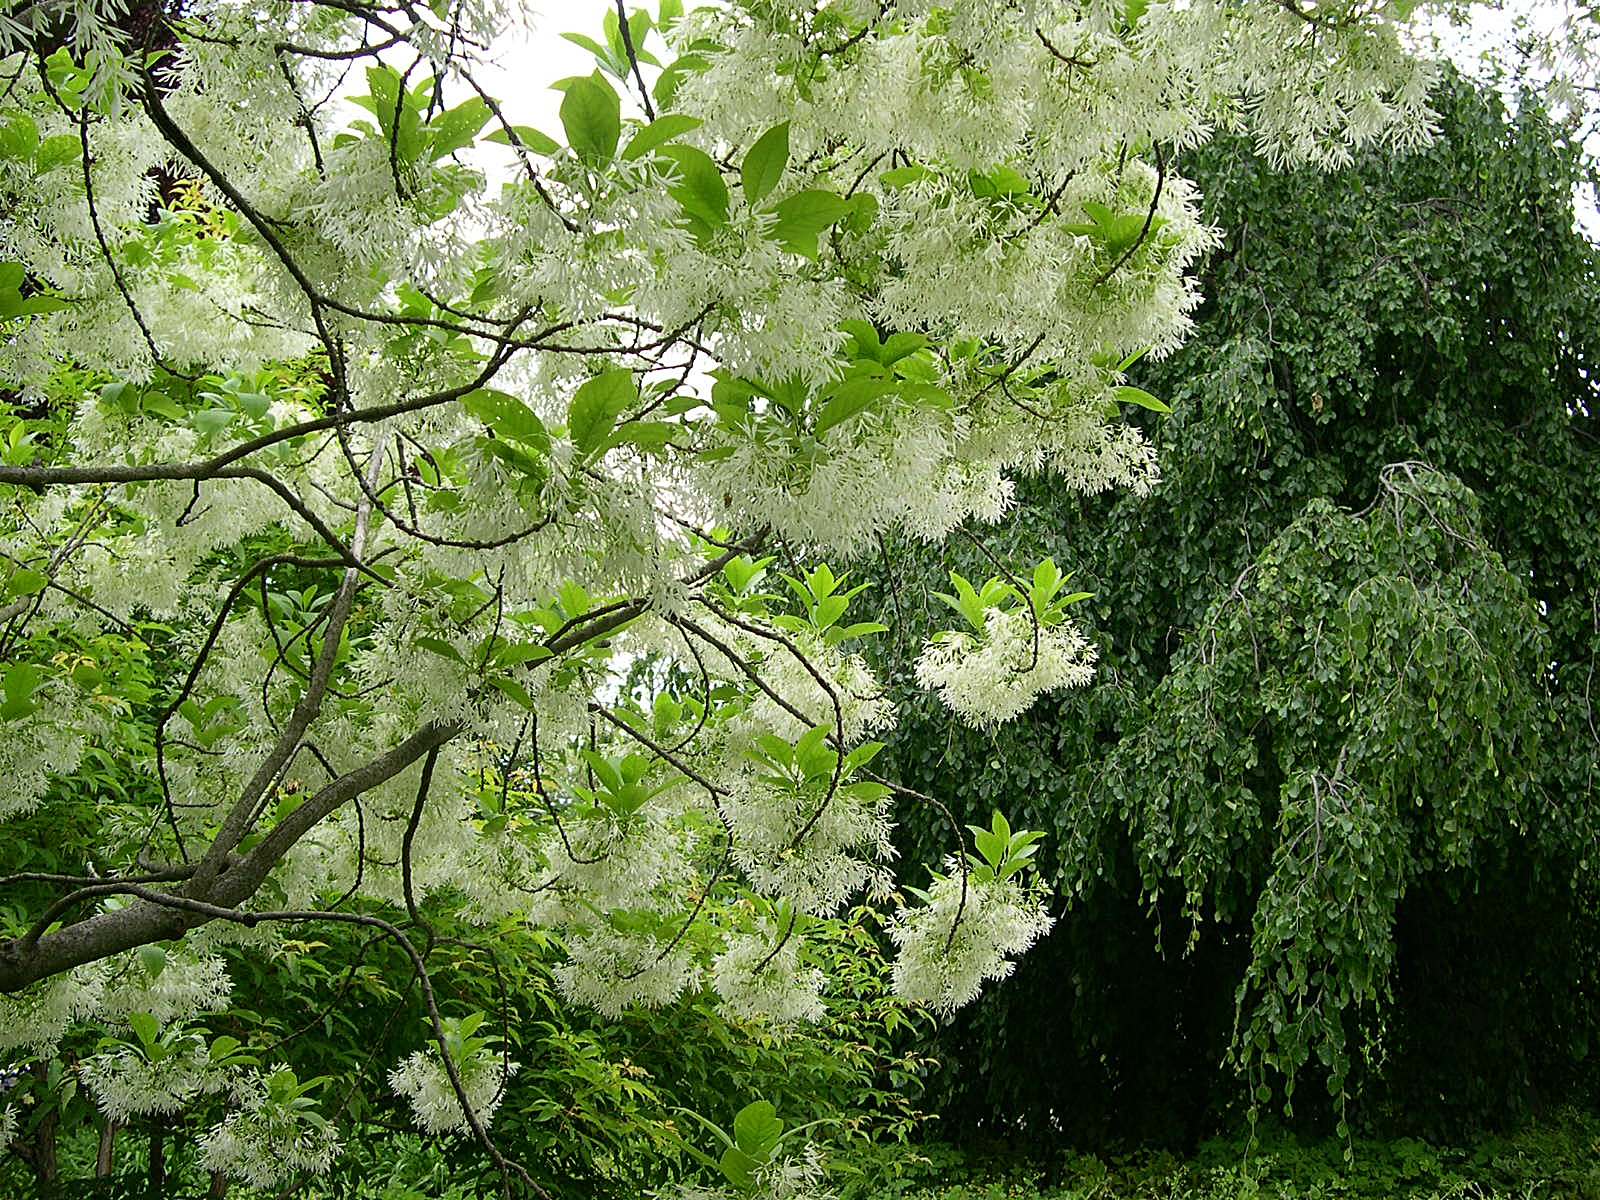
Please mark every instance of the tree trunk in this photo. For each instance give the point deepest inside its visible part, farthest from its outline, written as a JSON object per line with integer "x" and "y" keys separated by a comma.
{"x": 104, "y": 1156}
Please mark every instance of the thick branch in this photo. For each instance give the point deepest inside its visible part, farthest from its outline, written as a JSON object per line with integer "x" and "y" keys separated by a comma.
{"x": 26, "y": 960}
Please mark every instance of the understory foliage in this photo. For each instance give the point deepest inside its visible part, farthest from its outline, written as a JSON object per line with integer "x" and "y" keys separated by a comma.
{"x": 417, "y": 525}
{"x": 1327, "y": 828}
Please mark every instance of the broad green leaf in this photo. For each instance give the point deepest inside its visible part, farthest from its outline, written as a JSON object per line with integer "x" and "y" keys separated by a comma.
{"x": 865, "y": 336}
{"x": 595, "y": 409}
{"x": 650, "y": 436}
{"x": 508, "y": 417}
{"x": 803, "y": 216}
{"x": 764, "y": 165}
{"x": 56, "y": 150}
{"x": 539, "y": 143}
{"x": 513, "y": 691}
{"x": 757, "y": 1129}
{"x": 455, "y": 129}
{"x": 440, "y": 647}
{"x": 848, "y": 399}
{"x": 899, "y": 346}
{"x": 212, "y": 421}
{"x": 389, "y": 100}
{"x": 144, "y": 1028}
{"x": 662, "y": 129}
{"x": 899, "y": 177}
{"x": 25, "y": 583}
{"x": 739, "y": 1168}
{"x": 699, "y": 187}
{"x": 1127, "y": 394}
{"x": 591, "y": 114}
{"x": 588, "y": 43}
{"x": 19, "y": 137}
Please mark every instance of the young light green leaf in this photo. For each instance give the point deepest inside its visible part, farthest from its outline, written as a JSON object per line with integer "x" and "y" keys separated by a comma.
{"x": 539, "y": 143}
{"x": 805, "y": 215}
{"x": 591, "y": 114}
{"x": 1126, "y": 394}
{"x": 595, "y": 409}
{"x": 765, "y": 163}
{"x": 663, "y": 129}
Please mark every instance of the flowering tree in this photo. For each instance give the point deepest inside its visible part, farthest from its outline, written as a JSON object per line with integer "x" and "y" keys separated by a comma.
{"x": 380, "y": 540}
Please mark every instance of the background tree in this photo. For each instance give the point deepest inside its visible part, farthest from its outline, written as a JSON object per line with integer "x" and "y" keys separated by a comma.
{"x": 1330, "y": 815}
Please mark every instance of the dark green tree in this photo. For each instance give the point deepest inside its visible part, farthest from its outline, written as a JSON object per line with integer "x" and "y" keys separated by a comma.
{"x": 1328, "y": 815}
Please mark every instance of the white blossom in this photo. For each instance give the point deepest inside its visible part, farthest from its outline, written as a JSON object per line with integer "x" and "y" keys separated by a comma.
{"x": 611, "y": 970}
{"x": 963, "y": 936}
{"x": 265, "y": 1142}
{"x": 423, "y": 1082}
{"x": 991, "y": 679}
{"x": 760, "y": 976}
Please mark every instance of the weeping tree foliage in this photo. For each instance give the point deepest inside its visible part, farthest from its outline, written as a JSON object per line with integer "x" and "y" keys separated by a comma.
{"x": 1326, "y": 826}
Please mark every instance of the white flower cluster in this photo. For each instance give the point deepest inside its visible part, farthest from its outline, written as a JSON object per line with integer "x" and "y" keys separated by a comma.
{"x": 125, "y": 1083}
{"x": 610, "y": 969}
{"x": 265, "y": 1142}
{"x": 422, "y": 1080}
{"x": 184, "y": 985}
{"x": 37, "y": 1017}
{"x": 990, "y": 680}
{"x": 792, "y": 1177}
{"x": 606, "y": 862}
{"x": 759, "y": 977}
{"x": 845, "y": 842}
{"x": 829, "y": 687}
{"x": 963, "y": 937}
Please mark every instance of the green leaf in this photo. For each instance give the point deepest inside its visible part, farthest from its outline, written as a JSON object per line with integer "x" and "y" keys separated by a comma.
{"x": 440, "y": 647}
{"x": 738, "y": 1167}
{"x": 757, "y": 1129}
{"x": 388, "y": 100}
{"x": 662, "y": 129}
{"x": 805, "y": 215}
{"x": 651, "y": 436}
{"x": 26, "y": 582}
{"x": 212, "y": 421}
{"x": 539, "y": 143}
{"x": 515, "y": 691}
{"x": 591, "y": 114}
{"x": 595, "y": 409}
{"x": 901, "y": 345}
{"x": 144, "y": 1028}
{"x": 455, "y": 129}
{"x": 699, "y": 188}
{"x": 765, "y": 163}
{"x": 57, "y": 150}
{"x": 1127, "y": 394}
{"x": 508, "y": 417}
{"x": 848, "y": 399}
{"x": 899, "y": 177}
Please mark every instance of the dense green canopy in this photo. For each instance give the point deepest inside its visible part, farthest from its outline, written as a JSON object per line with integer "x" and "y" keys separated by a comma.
{"x": 1330, "y": 811}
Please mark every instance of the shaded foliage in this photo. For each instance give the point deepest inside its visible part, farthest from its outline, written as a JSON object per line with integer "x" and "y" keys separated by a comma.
{"x": 1328, "y": 814}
